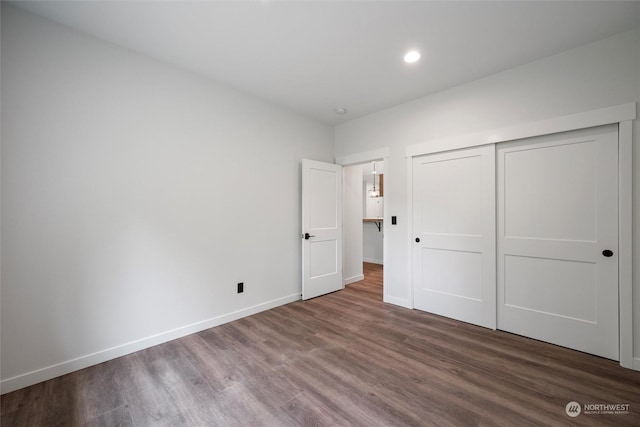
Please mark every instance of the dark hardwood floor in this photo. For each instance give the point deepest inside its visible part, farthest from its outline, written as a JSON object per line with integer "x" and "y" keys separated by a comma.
{"x": 344, "y": 359}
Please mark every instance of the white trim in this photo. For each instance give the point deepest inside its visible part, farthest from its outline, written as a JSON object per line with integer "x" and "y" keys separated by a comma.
{"x": 636, "y": 364}
{"x": 373, "y": 261}
{"x": 398, "y": 301}
{"x": 362, "y": 157}
{"x": 53, "y": 371}
{"x": 625, "y": 242}
{"x": 409, "y": 166}
{"x": 353, "y": 279}
{"x": 602, "y": 116}
{"x": 386, "y": 214}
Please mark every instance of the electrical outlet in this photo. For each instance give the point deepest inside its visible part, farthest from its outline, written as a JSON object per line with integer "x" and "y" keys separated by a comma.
{"x": 240, "y": 287}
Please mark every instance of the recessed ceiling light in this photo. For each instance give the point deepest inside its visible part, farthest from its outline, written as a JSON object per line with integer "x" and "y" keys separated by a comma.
{"x": 411, "y": 56}
{"x": 340, "y": 111}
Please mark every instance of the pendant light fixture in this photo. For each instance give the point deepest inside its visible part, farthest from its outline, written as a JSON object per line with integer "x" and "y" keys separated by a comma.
{"x": 373, "y": 191}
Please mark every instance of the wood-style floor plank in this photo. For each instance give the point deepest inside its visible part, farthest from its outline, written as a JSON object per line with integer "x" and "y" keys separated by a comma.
{"x": 344, "y": 359}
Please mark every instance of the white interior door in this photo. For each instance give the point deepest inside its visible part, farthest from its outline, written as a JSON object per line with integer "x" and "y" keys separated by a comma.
{"x": 557, "y": 214}
{"x": 321, "y": 228}
{"x": 454, "y": 231}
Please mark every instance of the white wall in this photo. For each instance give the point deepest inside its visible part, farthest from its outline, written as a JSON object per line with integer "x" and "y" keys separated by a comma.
{"x": 352, "y": 224}
{"x": 596, "y": 75}
{"x": 372, "y": 243}
{"x": 135, "y": 196}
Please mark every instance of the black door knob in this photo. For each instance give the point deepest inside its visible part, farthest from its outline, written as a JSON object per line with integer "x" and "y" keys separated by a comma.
{"x": 307, "y": 236}
{"x": 417, "y": 240}
{"x": 607, "y": 253}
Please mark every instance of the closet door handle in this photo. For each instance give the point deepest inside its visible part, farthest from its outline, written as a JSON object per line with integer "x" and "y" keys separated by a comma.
{"x": 607, "y": 252}
{"x": 417, "y": 240}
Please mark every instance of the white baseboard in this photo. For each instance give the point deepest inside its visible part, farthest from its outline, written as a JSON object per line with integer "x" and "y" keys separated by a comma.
{"x": 354, "y": 279}
{"x": 373, "y": 261}
{"x": 49, "y": 372}
{"x": 398, "y": 301}
{"x": 636, "y": 364}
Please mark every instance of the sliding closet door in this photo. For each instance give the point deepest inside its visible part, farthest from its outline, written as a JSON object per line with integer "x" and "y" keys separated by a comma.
{"x": 454, "y": 235}
{"x": 558, "y": 239}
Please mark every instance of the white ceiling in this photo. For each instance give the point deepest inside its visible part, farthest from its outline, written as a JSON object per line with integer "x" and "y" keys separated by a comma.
{"x": 314, "y": 57}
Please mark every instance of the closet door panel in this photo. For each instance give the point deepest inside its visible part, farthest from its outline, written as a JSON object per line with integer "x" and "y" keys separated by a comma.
{"x": 454, "y": 228}
{"x": 557, "y": 215}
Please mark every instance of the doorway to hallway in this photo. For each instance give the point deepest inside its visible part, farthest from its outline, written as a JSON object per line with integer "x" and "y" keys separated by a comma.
{"x": 363, "y": 223}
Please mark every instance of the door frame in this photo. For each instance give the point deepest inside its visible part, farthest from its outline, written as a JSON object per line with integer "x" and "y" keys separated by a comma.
{"x": 623, "y": 115}
{"x": 366, "y": 157}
